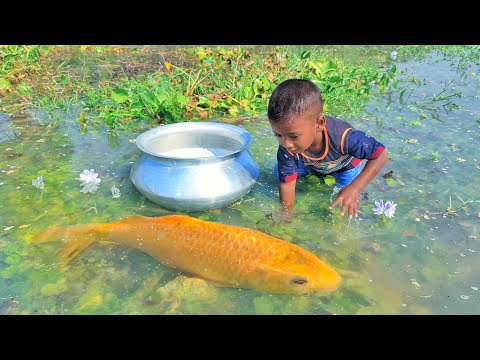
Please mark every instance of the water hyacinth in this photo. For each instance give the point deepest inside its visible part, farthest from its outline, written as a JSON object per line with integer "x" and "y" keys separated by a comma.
{"x": 90, "y": 181}
{"x": 115, "y": 192}
{"x": 38, "y": 183}
{"x": 378, "y": 210}
{"x": 388, "y": 208}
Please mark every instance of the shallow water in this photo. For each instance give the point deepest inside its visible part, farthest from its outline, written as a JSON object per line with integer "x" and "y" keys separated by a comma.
{"x": 424, "y": 260}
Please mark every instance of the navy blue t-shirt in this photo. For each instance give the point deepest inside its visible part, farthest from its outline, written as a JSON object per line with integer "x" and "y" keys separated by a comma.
{"x": 343, "y": 149}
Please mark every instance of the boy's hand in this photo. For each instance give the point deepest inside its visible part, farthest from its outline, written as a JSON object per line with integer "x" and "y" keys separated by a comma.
{"x": 348, "y": 196}
{"x": 286, "y": 214}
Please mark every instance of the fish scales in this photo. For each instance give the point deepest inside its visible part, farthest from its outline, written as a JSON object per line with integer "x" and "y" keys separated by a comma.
{"x": 224, "y": 254}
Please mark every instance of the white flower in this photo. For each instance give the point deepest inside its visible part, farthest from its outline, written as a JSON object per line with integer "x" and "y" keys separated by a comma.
{"x": 115, "y": 192}
{"x": 393, "y": 55}
{"x": 379, "y": 208}
{"x": 38, "y": 183}
{"x": 90, "y": 181}
{"x": 389, "y": 209}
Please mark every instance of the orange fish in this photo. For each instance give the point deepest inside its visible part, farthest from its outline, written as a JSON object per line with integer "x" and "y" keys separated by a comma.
{"x": 226, "y": 255}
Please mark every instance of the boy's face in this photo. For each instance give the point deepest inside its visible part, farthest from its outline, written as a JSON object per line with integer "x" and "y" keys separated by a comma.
{"x": 300, "y": 133}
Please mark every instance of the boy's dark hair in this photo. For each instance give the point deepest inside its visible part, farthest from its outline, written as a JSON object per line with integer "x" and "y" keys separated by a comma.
{"x": 292, "y": 97}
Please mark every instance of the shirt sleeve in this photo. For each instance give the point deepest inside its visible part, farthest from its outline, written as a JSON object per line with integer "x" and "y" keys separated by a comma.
{"x": 362, "y": 146}
{"x": 287, "y": 165}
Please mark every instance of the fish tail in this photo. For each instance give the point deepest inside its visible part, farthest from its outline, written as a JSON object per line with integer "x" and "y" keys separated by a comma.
{"x": 72, "y": 249}
{"x": 77, "y": 237}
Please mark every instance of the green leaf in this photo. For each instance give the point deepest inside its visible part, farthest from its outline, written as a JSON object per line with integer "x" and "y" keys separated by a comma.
{"x": 182, "y": 100}
{"x": 335, "y": 79}
{"x": 149, "y": 99}
{"x": 329, "y": 180}
{"x": 161, "y": 97}
{"x": 23, "y": 88}
{"x": 64, "y": 79}
{"x": 266, "y": 84}
{"x": 136, "y": 105}
{"x": 5, "y": 84}
{"x": 391, "y": 182}
{"x": 248, "y": 92}
{"x": 305, "y": 55}
{"x": 119, "y": 95}
{"x": 330, "y": 66}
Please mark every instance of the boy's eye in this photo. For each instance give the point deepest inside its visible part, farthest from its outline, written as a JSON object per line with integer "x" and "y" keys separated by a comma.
{"x": 293, "y": 137}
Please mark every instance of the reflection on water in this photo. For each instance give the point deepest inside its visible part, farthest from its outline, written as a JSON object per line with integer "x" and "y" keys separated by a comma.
{"x": 424, "y": 260}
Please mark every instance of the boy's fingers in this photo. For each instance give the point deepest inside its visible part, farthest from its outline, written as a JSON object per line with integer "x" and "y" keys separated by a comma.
{"x": 335, "y": 202}
{"x": 353, "y": 211}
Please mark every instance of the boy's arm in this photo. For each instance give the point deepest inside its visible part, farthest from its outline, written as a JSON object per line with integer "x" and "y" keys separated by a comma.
{"x": 349, "y": 194}
{"x": 287, "y": 193}
{"x": 287, "y": 175}
{"x": 287, "y": 197}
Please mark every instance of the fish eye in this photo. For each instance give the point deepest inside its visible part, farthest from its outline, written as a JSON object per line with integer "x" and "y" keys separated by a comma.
{"x": 299, "y": 280}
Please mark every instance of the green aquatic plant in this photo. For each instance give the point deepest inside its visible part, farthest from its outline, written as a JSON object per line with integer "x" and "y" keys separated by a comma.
{"x": 435, "y": 156}
{"x": 209, "y": 82}
{"x": 452, "y": 212}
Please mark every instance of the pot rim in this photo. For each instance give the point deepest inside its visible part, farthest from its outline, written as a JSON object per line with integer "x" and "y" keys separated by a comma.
{"x": 235, "y": 132}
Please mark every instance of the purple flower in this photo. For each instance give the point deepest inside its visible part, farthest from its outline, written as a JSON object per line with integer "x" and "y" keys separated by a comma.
{"x": 389, "y": 209}
{"x": 379, "y": 208}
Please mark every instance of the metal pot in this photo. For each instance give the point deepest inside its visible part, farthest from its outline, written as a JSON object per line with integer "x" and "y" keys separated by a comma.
{"x": 194, "y": 166}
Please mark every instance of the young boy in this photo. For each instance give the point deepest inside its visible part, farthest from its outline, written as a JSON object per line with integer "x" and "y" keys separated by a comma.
{"x": 312, "y": 142}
